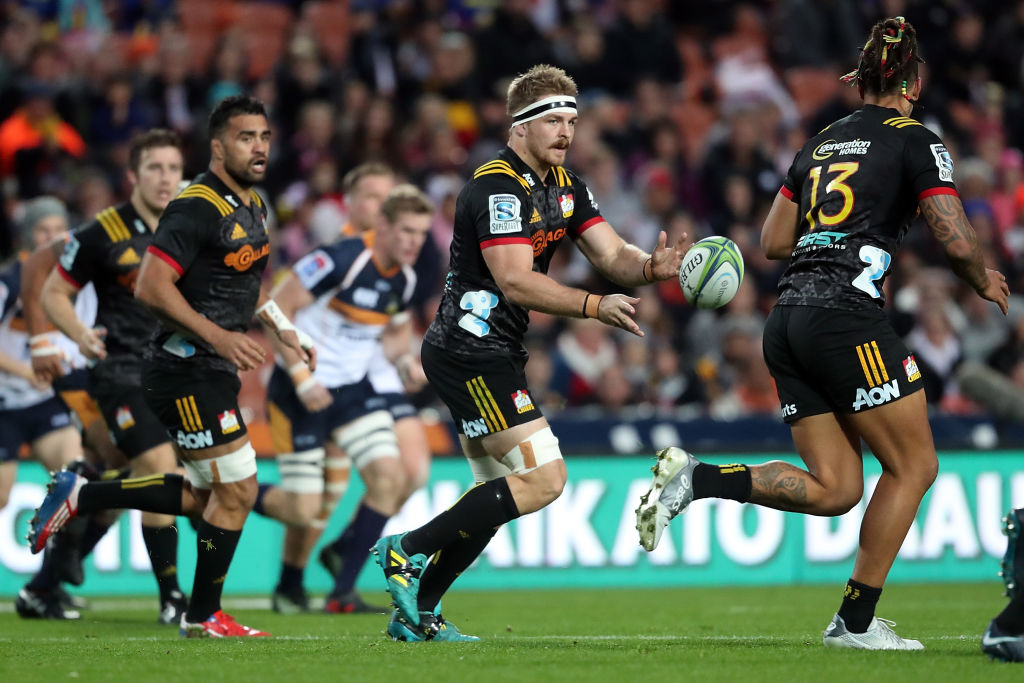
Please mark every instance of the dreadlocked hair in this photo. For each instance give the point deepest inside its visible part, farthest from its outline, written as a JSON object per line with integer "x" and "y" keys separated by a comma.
{"x": 888, "y": 60}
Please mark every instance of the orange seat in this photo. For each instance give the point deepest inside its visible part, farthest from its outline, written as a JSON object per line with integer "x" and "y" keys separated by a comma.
{"x": 329, "y": 20}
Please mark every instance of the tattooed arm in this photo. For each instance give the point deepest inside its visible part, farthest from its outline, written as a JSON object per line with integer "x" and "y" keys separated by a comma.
{"x": 945, "y": 216}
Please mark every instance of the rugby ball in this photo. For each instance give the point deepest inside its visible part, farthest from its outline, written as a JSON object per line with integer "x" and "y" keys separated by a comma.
{"x": 711, "y": 272}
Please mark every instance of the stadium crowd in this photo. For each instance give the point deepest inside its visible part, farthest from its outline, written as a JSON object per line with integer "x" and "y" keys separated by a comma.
{"x": 690, "y": 115}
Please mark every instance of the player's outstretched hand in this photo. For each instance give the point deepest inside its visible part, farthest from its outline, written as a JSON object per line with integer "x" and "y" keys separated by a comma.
{"x": 240, "y": 349}
{"x": 315, "y": 397}
{"x": 618, "y": 310}
{"x": 996, "y": 290}
{"x": 91, "y": 343}
{"x": 665, "y": 260}
{"x": 305, "y": 348}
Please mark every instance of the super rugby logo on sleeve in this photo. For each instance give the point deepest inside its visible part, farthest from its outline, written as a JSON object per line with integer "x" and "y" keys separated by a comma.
{"x": 67, "y": 259}
{"x": 313, "y": 267}
{"x": 943, "y": 162}
{"x": 505, "y": 214}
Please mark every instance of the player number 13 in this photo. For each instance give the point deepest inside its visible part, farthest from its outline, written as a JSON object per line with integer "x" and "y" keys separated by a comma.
{"x": 843, "y": 169}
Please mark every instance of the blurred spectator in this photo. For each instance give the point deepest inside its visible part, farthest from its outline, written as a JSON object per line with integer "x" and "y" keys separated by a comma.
{"x": 35, "y": 142}
{"x": 643, "y": 46}
{"x": 583, "y": 352}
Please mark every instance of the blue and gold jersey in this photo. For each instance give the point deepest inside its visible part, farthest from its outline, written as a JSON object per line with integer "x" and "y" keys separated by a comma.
{"x": 356, "y": 298}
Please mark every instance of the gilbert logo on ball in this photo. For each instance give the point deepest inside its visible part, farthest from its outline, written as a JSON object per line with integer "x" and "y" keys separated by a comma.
{"x": 711, "y": 272}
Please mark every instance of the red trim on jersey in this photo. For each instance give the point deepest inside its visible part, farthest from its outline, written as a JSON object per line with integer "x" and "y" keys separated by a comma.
{"x": 160, "y": 254}
{"x": 786, "y": 192}
{"x": 504, "y": 240}
{"x": 589, "y": 224}
{"x": 67, "y": 276}
{"x": 937, "y": 190}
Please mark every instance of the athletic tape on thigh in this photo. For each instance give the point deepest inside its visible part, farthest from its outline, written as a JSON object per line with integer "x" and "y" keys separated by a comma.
{"x": 540, "y": 449}
{"x": 487, "y": 468}
{"x": 302, "y": 472}
{"x": 367, "y": 438}
{"x": 222, "y": 470}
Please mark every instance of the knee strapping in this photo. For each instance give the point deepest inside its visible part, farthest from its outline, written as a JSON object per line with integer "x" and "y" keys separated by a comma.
{"x": 302, "y": 472}
{"x": 225, "y": 469}
{"x": 487, "y": 468}
{"x": 368, "y": 438}
{"x": 539, "y": 449}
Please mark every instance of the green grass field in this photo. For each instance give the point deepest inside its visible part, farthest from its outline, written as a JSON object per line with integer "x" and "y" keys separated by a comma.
{"x": 736, "y": 634}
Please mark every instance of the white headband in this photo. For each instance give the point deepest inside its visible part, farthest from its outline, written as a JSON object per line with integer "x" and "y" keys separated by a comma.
{"x": 565, "y": 104}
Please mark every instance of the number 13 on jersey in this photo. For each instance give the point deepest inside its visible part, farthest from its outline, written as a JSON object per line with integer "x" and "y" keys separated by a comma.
{"x": 843, "y": 169}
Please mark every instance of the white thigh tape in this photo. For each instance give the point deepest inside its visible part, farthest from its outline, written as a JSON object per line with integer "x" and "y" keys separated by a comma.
{"x": 302, "y": 472}
{"x": 368, "y": 438}
{"x": 540, "y": 449}
{"x": 225, "y": 469}
{"x": 487, "y": 468}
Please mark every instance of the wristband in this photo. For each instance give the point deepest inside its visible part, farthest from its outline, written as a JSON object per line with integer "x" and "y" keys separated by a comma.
{"x": 305, "y": 385}
{"x": 643, "y": 270}
{"x": 590, "y": 309}
{"x": 42, "y": 345}
{"x": 270, "y": 314}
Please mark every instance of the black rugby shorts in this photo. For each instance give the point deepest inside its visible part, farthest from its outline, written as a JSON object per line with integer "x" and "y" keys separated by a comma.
{"x": 132, "y": 425}
{"x": 198, "y": 406}
{"x": 831, "y": 361}
{"x": 485, "y": 394}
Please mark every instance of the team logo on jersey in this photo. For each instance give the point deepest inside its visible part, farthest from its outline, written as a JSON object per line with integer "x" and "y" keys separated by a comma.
{"x": 243, "y": 259}
{"x": 124, "y": 418}
{"x": 67, "y": 259}
{"x": 567, "y": 203}
{"x": 829, "y": 147}
{"x": 238, "y": 233}
{"x": 228, "y": 422}
{"x": 522, "y": 401}
{"x": 535, "y": 218}
{"x": 505, "y": 214}
{"x": 943, "y": 162}
{"x": 910, "y": 367}
{"x": 128, "y": 258}
{"x": 312, "y": 268}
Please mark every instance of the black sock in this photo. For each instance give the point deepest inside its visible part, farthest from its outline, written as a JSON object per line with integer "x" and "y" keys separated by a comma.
{"x": 160, "y": 493}
{"x": 162, "y": 544}
{"x": 261, "y": 491}
{"x": 484, "y": 506}
{"x": 446, "y": 566}
{"x": 216, "y": 547}
{"x": 291, "y": 577}
{"x": 362, "y": 532}
{"x": 45, "y": 579}
{"x": 1011, "y": 619}
{"x": 722, "y": 481}
{"x": 858, "y": 606}
{"x": 91, "y": 535}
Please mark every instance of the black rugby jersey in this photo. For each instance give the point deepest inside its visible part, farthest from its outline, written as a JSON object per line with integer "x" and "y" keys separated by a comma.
{"x": 504, "y": 203}
{"x": 858, "y": 184}
{"x": 107, "y": 251}
{"x": 219, "y": 247}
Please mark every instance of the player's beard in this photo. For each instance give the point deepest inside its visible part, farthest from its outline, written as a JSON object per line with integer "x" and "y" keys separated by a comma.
{"x": 242, "y": 175}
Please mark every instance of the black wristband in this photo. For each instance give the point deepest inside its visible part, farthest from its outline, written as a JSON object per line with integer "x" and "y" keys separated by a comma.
{"x": 585, "y": 304}
{"x": 643, "y": 269}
